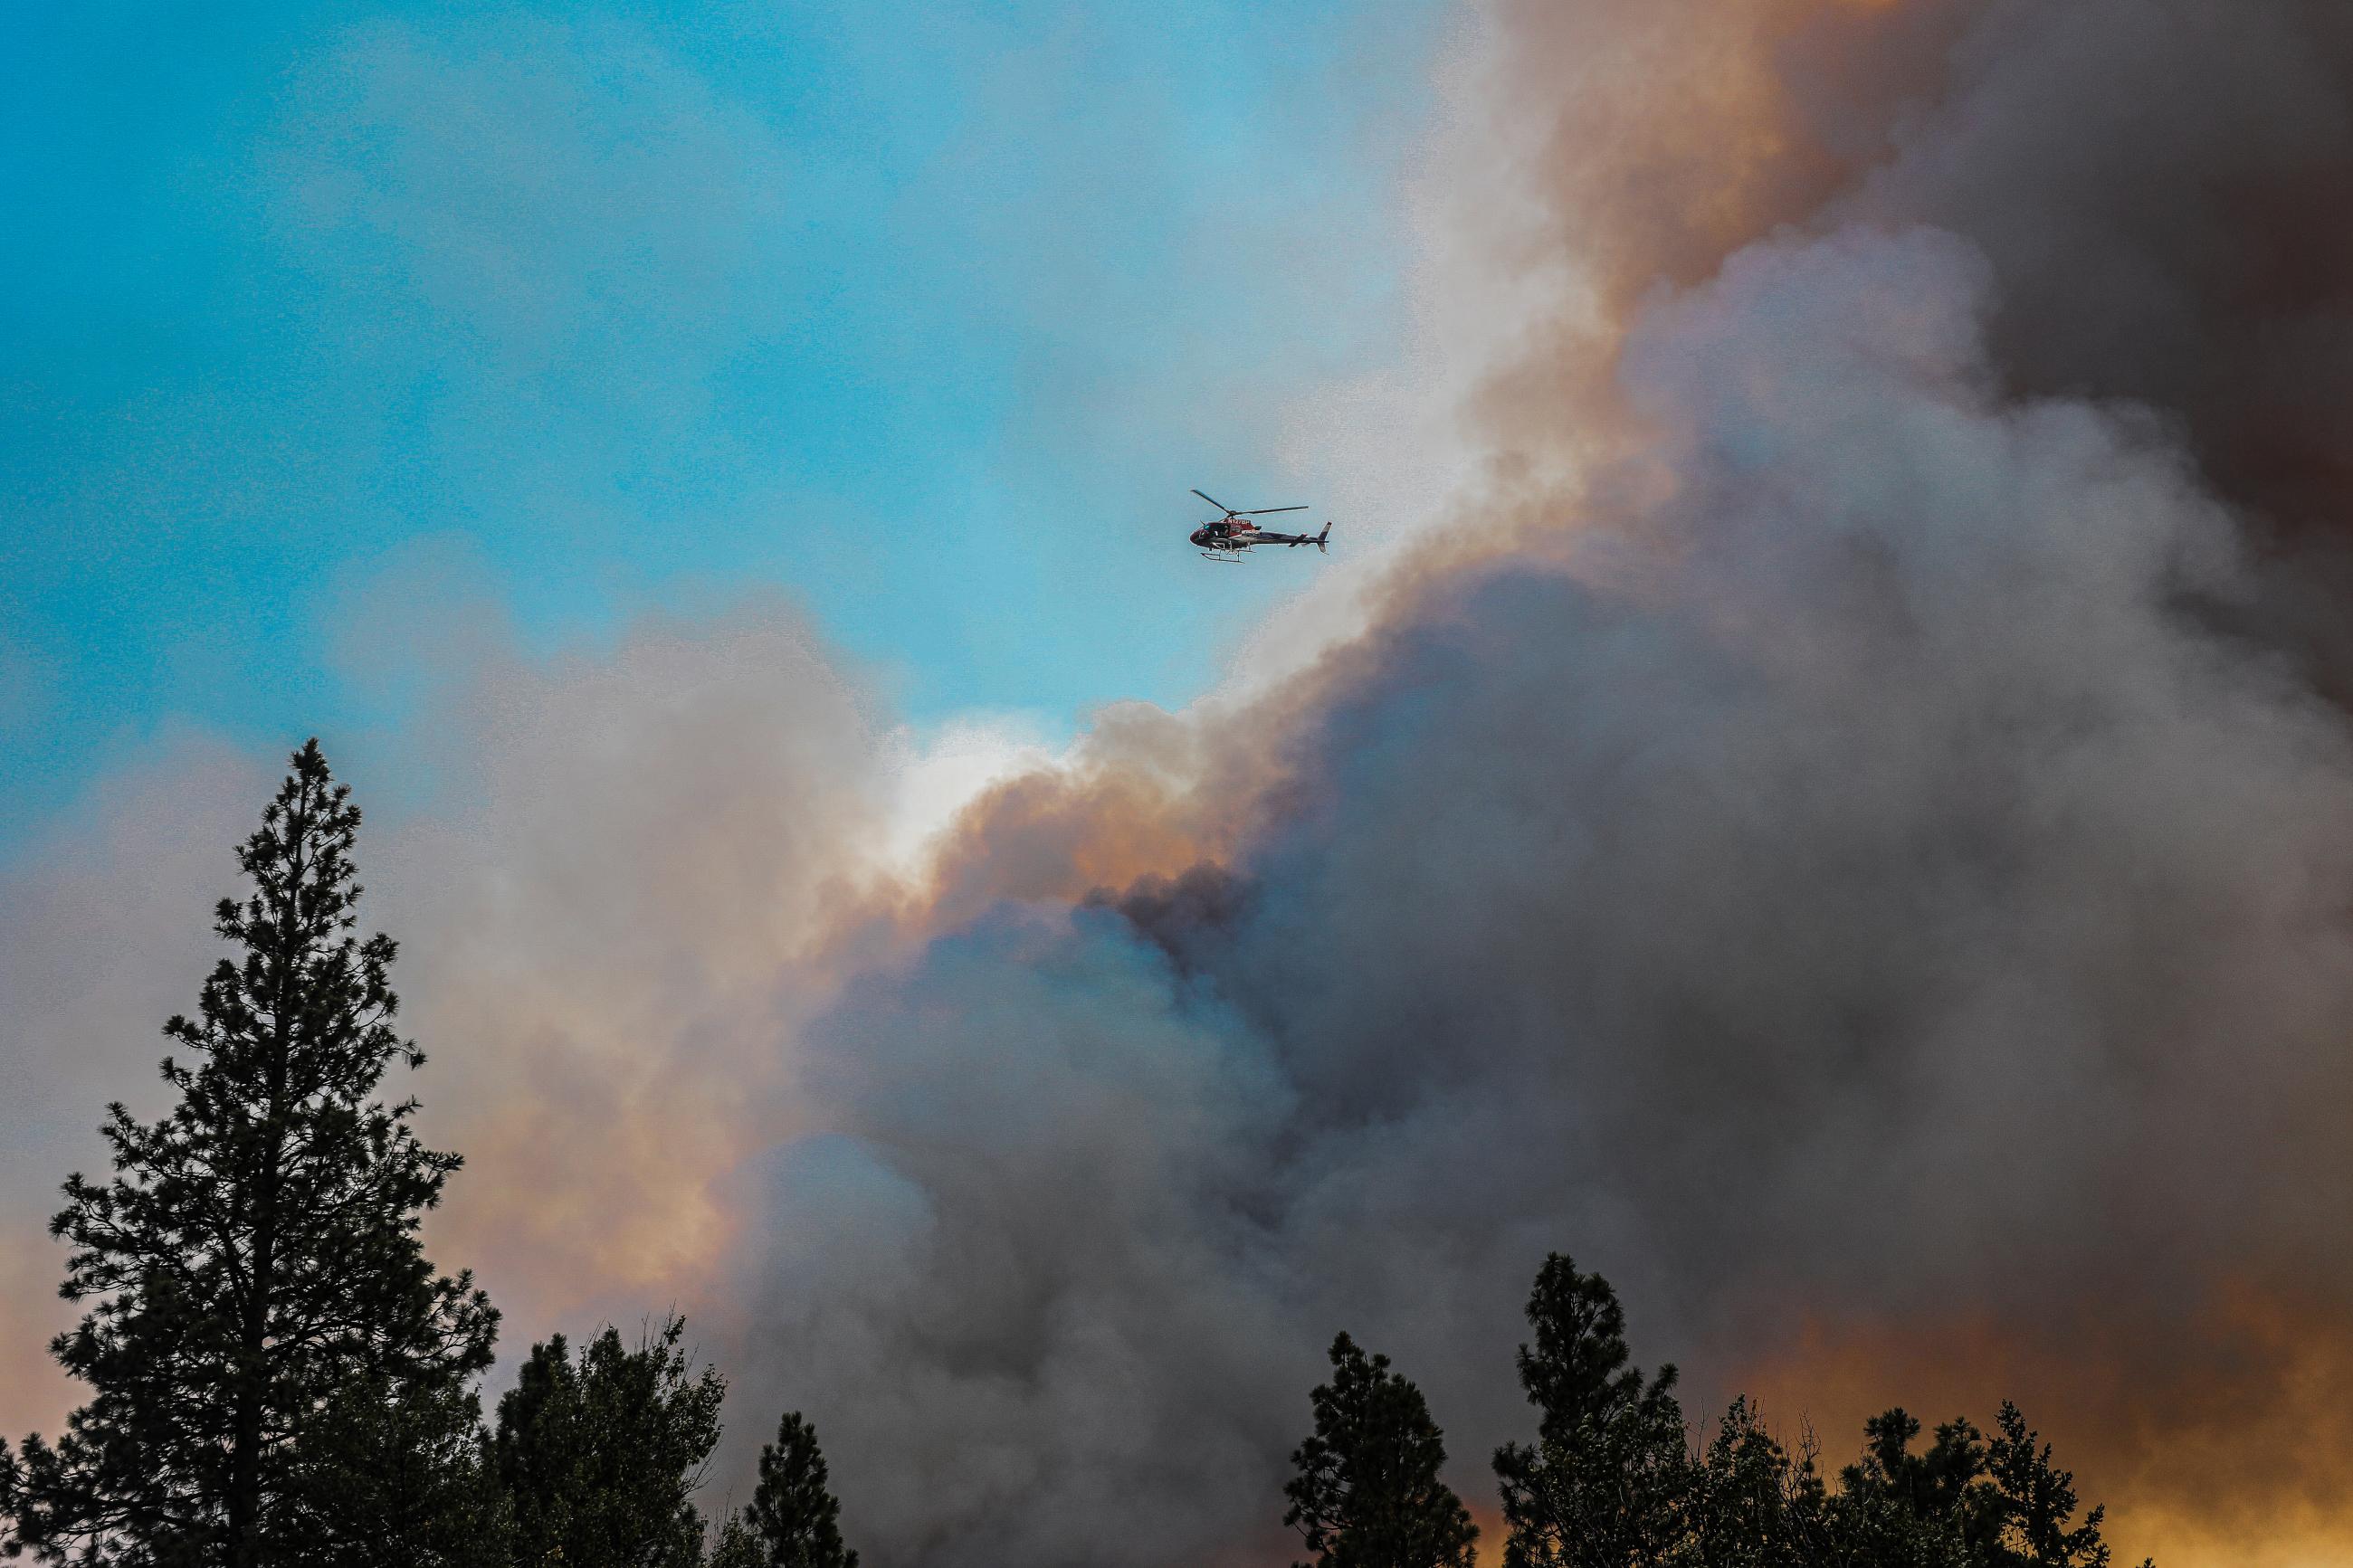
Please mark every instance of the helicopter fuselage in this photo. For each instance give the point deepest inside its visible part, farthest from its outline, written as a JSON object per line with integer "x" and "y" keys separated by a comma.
{"x": 1233, "y": 537}
{"x": 1228, "y": 537}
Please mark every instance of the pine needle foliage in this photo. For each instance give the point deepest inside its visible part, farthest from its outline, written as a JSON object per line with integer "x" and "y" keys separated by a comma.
{"x": 1367, "y": 1492}
{"x": 256, "y": 1251}
{"x": 601, "y": 1454}
{"x": 1603, "y": 1486}
{"x": 794, "y": 1519}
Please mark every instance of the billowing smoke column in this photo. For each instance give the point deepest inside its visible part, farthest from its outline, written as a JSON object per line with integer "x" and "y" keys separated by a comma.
{"x": 1865, "y": 858}
{"x": 2159, "y": 190}
{"x": 1850, "y": 833}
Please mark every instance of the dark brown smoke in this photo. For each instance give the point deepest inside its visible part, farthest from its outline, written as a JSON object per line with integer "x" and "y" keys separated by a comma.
{"x": 1868, "y": 865}
{"x": 2160, "y": 188}
{"x": 1855, "y": 842}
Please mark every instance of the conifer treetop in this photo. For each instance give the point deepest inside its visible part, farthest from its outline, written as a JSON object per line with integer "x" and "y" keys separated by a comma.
{"x": 255, "y": 1253}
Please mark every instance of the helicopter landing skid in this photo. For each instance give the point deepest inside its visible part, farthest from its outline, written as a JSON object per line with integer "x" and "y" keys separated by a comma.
{"x": 1234, "y": 556}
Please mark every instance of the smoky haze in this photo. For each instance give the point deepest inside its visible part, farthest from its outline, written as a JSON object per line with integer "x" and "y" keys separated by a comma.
{"x": 1851, "y": 834}
{"x": 1864, "y": 860}
{"x": 1857, "y": 895}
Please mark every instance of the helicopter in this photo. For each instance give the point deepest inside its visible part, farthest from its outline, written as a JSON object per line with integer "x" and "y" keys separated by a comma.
{"x": 1230, "y": 536}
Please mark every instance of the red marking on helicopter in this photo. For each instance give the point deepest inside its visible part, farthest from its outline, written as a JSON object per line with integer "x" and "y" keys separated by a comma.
{"x": 1234, "y": 534}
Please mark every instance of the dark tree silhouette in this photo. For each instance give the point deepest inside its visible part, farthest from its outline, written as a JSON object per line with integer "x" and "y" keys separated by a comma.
{"x": 1750, "y": 1503}
{"x": 1367, "y": 1493}
{"x": 601, "y": 1456}
{"x": 384, "y": 1478}
{"x": 794, "y": 1519}
{"x": 2036, "y": 1502}
{"x": 1603, "y": 1485}
{"x": 1986, "y": 1505}
{"x": 256, "y": 1252}
{"x": 736, "y": 1547}
{"x": 1894, "y": 1492}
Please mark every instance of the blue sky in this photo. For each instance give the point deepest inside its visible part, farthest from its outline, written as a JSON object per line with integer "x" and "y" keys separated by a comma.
{"x": 316, "y": 320}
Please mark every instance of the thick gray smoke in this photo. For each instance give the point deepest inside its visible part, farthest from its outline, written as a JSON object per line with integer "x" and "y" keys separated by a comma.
{"x": 1854, "y": 840}
{"x": 2159, "y": 187}
{"x": 2162, "y": 191}
{"x": 1869, "y": 869}
{"x": 1837, "y": 882}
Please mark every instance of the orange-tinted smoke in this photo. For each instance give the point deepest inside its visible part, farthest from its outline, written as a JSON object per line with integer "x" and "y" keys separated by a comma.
{"x": 1652, "y": 139}
{"x": 2215, "y": 1434}
{"x": 2163, "y": 189}
{"x": 2203, "y": 159}
{"x": 614, "y": 1027}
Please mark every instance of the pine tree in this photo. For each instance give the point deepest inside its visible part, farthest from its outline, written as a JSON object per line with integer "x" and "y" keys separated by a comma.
{"x": 1367, "y": 1493}
{"x": 2036, "y": 1502}
{"x": 1605, "y": 1484}
{"x": 600, "y": 1457}
{"x": 256, "y": 1251}
{"x": 1940, "y": 1495}
{"x": 384, "y": 1477}
{"x": 1611, "y": 1482}
{"x": 1751, "y": 1503}
{"x": 794, "y": 1519}
{"x": 1965, "y": 1501}
{"x": 12, "y": 1486}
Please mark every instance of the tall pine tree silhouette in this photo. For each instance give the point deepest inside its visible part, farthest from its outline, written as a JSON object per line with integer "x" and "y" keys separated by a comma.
{"x": 2038, "y": 1500}
{"x": 1366, "y": 1493}
{"x": 1606, "y": 1480}
{"x": 601, "y": 1454}
{"x": 794, "y": 1519}
{"x": 254, "y": 1257}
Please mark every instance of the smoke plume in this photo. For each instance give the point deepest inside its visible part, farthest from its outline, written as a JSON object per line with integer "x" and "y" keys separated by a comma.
{"x": 1847, "y": 828}
{"x": 1860, "y": 851}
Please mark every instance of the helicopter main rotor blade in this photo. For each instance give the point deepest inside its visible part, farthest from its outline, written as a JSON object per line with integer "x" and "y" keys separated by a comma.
{"x": 1216, "y": 502}
{"x": 1265, "y": 509}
